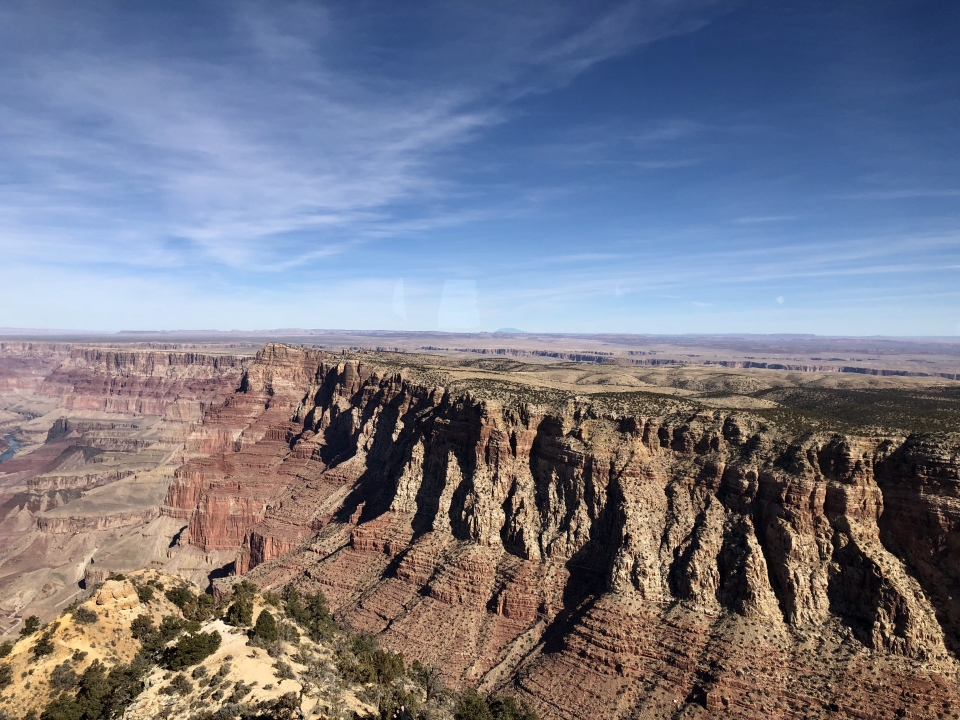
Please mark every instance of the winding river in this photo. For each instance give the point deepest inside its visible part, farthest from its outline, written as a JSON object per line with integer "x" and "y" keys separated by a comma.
{"x": 10, "y": 451}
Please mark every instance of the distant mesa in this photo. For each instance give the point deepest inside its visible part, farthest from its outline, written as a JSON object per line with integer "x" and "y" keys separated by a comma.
{"x": 512, "y": 331}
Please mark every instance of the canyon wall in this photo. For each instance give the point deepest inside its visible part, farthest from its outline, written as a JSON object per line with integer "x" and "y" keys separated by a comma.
{"x": 23, "y": 365}
{"x": 604, "y": 558}
{"x": 100, "y": 430}
{"x": 178, "y": 385}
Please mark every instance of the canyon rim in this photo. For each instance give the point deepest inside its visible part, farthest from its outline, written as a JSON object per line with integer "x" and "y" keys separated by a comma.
{"x": 596, "y": 539}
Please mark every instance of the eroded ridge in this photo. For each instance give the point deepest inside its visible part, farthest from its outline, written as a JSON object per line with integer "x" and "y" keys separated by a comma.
{"x": 605, "y": 558}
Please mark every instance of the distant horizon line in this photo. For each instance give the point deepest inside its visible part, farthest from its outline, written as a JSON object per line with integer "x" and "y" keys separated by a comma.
{"x": 14, "y": 332}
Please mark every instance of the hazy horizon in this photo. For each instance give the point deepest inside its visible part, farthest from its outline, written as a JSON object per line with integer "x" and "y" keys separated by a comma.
{"x": 666, "y": 168}
{"x": 261, "y": 333}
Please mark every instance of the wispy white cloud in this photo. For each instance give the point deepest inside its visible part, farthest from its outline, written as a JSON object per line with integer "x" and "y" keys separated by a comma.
{"x": 756, "y": 219}
{"x": 279, "y": 159}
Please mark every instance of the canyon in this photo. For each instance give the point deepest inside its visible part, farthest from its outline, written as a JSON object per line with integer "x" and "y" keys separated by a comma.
{"x": 99, "y": 431}
{"x": 600, "y": 539}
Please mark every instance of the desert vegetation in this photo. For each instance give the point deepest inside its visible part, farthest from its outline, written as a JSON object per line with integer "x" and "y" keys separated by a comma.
{"x": 175, "y": 658}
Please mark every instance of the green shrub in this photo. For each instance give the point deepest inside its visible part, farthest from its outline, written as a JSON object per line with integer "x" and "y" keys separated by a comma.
{"x": 507, "y": 707}
{"x": 282, "y": 670}
{"x": 240, "y": 691}
{"x": 95, "y": 689}
{"x": 170, "y": 627}
{"x": 145, "y": 593}
{"x": 191, "y": 649}
{"x": 43, "y": 646}
{"x": 199, "y": 672}
{"x": 142, "y": 627}
{"x": 245, "y": 589}
{"x": 6, "y": 676}
{"x": 266, "y": 628}
{"x": 180, "y": 596}
{"x": 6, "y": 648}
{"x": 193, "y": 607}
{"x": 393, "y": 699}
{"x": 205, "y": 605}
{"x": 355, "y": 670}
{"x": 179, "y": 685}
{"x": 84, "y": 616}
{"x": 289, "y": 633}
{"x": 62, "y": 678}
{"x": 30, "y": 626}
{"x": 64, "y": 707}
{"x": 272, "y": 598}
{"x": 154, "y": 640}
{"x": 125, "y": 682}
{"x": 388, "y": 665}
{"x": 363, "y": 644}
{"x": 240, "y": 613}
{"x": 101, "y": 695}
{"x": 472, "y": 706}
{"x": 364, "y": 662}
{"x": 310, "y": 612}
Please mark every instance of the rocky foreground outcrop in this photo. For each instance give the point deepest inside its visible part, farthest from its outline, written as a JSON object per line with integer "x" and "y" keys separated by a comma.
{"x": 629, "y": 556}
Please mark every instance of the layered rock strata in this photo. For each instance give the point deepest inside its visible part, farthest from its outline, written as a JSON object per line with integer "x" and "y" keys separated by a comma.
{"x": 94, "y": 420}
{"x": 80, "y": 524}
{"x": 23, "y": 365}
{"x": 603, "y": 560}
{"x": 176, "y": 385}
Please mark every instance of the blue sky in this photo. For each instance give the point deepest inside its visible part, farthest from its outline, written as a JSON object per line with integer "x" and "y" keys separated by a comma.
{"x": 664, "y": 167}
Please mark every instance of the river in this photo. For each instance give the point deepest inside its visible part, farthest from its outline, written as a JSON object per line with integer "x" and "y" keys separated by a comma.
{"x": 10, "y": 451}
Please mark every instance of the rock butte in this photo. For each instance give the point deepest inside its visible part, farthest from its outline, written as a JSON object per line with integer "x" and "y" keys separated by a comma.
{"x": 602, "y": 556}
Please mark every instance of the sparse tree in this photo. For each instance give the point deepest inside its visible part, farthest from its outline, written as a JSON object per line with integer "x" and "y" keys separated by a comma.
{"x": 472, "y": 706}
{"x": 240, "y": 613}
{"x": 30, "y": 625}
{"x": 192, "y": 649}
{"x": 266, "y": 628}
{"x": 84, "y": 616}
{"x": 43, "y": 646}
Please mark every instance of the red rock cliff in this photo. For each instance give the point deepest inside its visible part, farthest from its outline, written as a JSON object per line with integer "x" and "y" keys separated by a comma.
{"x": 178, "y": 385}
{"x": 605, "y": 562}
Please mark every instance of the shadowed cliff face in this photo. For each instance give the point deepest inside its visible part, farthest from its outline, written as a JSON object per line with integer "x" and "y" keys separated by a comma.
{"x": 636, "y": 563}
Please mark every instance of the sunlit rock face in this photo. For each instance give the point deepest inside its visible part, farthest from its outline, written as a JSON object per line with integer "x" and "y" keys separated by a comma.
{"x": 602, "y": 561}
{"x": 173, "y": 384}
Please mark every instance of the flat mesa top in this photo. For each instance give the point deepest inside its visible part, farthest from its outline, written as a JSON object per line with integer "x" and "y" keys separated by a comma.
{"x": 877, "y": 356}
